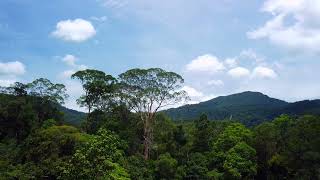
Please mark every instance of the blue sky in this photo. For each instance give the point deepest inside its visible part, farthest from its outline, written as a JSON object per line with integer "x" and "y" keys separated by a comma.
{"x": 219, "y": 46}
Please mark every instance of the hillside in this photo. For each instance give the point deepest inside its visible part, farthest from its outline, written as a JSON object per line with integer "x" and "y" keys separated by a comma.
{"x": 72, "y": 116}
{"x": 248, "y": 107}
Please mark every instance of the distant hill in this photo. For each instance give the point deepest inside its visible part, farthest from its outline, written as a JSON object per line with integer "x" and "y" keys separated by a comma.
{"x": 72, "y": 116}
{"x": 302, "y": 107}
{"x": 251, "y": 108}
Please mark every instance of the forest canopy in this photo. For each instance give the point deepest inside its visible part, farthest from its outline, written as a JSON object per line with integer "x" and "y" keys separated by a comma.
{"x": 124, "y": 136}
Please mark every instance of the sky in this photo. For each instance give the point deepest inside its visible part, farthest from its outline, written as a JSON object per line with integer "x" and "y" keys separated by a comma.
{"x": 220, "y": 47}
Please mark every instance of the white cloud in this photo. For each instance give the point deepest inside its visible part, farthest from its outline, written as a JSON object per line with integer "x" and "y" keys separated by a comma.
{"x": 70, "y": 60}
{"x": 215, "y": 83}
{"x": 196, "y": 96}
{"x": 263, "y": 72}
{"x": 77, "y": 30}
{"x": 192, "y": 92}
{"x": 239, "y": 72}
{"x": 251, "y": 54}
{"x": 12, "y": 68}
{"x": 206, "y": 63}
{"x": 231, "y": 62}
{"x": 294, "y": 24}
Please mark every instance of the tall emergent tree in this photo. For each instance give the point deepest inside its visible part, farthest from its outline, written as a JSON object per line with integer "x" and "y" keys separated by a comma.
{"x": 47, "y": 90}
{"x": 42, "y": 88}
{"x": 98, "y": 87}
{"x": 145, "y": 91}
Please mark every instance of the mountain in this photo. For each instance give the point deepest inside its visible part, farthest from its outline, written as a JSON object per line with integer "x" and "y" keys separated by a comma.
{"x": 250, "y": 108}
{"x": 302, "y": 107}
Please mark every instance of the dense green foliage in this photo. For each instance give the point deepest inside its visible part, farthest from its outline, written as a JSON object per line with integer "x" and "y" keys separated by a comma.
{"x": 250, "y": 108}
{"x": 38, "y": 142}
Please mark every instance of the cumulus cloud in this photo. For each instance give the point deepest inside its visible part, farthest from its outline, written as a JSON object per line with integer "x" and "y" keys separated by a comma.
{"x": 231, "y": 62}
{"x": 239, "y": 72}
{"x": 252, "y": 55}
{"x": 71, "y": 61}
{"x": 77, "y": 30}
{"x": 14, "y": 68}
{"x": 294, "y": 24}
{"x": 206, "y": 63}
{"x": 264, "y": 72}
{"x": 248, "y": 70}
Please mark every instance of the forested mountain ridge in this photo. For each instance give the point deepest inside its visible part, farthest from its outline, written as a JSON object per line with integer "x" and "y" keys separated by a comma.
{"x": 71, "y": 116}
{"x": 250, "y": 108}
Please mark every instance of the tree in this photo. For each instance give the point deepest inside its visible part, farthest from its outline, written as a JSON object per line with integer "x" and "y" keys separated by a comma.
{"x": 47, "y": 90}
{"x": 202, "y": 134}
{"x": 240, "y": 162}
{"x": 266, "y": 146}
{"x": 197, "y": 166}
{"x": 99, "y": 89}
{"x": 180, "y": 136}
{"x": 232, "y": 155}
{"x": 46, "y": 95}
{"x": 98, "y": 159}
{"x": 18, "y": 89}
{"x": 166, "y": 167}
{"x": 17, "y": 118}
{"x": 232, "y": 135}
{"x": 45, "y": 153}
{"x": 145, "y": 91}
{"x": 163, "y": 133}
{"x": 298, "y": 148}
{"x": 138, "y": 168}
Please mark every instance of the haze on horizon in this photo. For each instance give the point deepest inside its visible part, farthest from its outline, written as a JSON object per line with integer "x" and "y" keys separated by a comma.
{"x": 220, "y": 47}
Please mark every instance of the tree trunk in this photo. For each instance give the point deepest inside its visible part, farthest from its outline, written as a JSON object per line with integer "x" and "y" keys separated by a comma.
{"x": 147, "y": 139}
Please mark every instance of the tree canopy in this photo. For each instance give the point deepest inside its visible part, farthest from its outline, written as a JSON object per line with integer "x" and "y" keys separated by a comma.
{"x": 126, "y": 137}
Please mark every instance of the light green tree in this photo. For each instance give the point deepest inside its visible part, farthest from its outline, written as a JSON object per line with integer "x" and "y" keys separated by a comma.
{"x": 98, "y": 159}
{"x": 145, "y": 91}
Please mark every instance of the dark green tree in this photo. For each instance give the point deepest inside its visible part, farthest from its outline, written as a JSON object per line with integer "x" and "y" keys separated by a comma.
{"x": 196, "y": 166}
{"x": 99, "y": 88}
{"x": 202, "y": 134}
{"x": 266, "y": 136}
{"x": 166, "y": 167}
